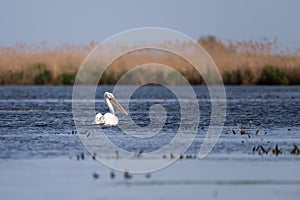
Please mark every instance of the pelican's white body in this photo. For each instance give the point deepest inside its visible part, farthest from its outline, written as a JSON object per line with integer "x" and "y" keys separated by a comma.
{"x": 109, "y": 119}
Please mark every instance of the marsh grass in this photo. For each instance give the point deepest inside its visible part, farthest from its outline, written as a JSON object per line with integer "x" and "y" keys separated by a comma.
{"x": 272, "y": 75}
{"x": 239, "y": 62}
{"x": 66, "y": 78}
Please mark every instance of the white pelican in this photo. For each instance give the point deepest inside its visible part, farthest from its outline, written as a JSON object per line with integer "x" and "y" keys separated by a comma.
{"x": 109, "y": 119}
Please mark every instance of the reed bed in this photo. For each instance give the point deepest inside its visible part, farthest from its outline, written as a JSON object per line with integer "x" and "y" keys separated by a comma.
{"x": 239, "y": 62}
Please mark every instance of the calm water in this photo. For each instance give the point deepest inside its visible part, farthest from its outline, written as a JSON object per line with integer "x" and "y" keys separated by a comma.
{"x": 37, "y": 121}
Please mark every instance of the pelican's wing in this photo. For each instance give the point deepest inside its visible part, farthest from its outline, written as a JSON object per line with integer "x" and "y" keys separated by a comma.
{"x": 98, "y": 119}
{"x": 110, "y": 120}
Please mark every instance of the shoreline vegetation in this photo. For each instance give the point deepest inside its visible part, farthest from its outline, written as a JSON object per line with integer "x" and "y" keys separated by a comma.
{"x": 239, "y": 62}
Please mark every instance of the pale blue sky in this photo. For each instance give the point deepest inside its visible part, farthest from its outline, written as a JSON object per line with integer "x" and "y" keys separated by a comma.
{"x": 71, "y": 21}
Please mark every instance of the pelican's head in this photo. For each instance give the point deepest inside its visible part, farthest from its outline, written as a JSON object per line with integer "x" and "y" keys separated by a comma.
{"x": 109, "y": 97}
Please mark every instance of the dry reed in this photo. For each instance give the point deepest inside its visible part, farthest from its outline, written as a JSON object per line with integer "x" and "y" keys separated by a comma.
{"x": 240, "y": 62}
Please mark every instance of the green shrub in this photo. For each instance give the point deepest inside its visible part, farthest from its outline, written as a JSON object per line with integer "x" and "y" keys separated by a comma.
{"x": 193, "y": 77}
{"x": 38, "y": 74}
{"x": 272, "y": 75}
{"x": 293, "y": 75}
{"x": 14, "y": 77}
{"x": 248, "y": 77}
{"x": 108, "y": 78}
{"x": 234, "y": 77}
{"x": 66, "y": 78}
{"x": 44, "y": 77}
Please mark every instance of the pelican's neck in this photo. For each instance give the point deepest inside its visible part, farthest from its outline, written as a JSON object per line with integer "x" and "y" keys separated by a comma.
{"x": 110, "y": 106}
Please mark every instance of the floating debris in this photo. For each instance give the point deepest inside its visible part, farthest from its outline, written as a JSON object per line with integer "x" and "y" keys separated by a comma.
{"x": 195, "y": 125}
{"x": 250, "y": 123}
{"x": 94, "y": 156}
{"x": 190, "y": 156}
{"x": 296, "y": 150}
{"x": 260, "y": 149}
{"x": 233, "y": 131}
{"x": 95, "y": 175}
{"x": 276, "y": 151}
{"x": 263, "y": 150}
{"x": 242, "y": 131}
{"x": 112, "y": 174}
{"x": 139, "y": 153}
{"x": 257, "y": 148}
{"x": 88, "y": 134}
{"x": 127, "y": 175}
{"x": 82, "y": 133}
{"x": 82, "y": 156}
{"x": 117, "y": 154}
{"x": 148, "y": 175}
{"x": 172, "y": 156}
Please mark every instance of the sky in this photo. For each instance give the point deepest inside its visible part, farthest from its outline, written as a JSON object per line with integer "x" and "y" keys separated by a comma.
{"x": 83, "y": 21}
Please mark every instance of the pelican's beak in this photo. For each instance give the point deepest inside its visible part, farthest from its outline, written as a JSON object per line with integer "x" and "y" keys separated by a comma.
{"x": 114, "y": 101}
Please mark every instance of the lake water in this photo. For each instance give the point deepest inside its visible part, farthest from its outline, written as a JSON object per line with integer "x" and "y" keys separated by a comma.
{"x": 39, "y": 145}
{"x": 37, "y": 121}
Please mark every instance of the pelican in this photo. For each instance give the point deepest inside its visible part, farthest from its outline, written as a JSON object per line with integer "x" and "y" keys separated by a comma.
{"x": 109, "y": 119}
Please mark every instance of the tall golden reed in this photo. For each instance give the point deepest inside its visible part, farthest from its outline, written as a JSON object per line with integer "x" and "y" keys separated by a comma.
{"x": 17, "y": 62}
